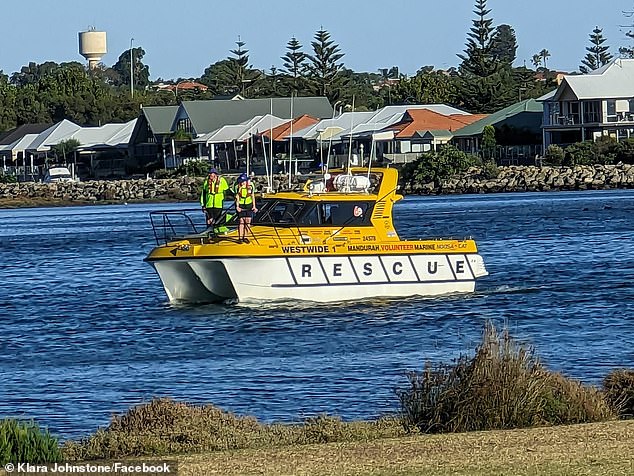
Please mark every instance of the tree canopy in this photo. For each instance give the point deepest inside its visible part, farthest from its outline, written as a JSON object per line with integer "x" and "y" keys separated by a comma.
{"x": 598, "y": 54}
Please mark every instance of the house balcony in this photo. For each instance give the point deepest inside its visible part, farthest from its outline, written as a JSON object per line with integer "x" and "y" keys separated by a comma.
{"x": 564, "y": 120}
{"x": 621, "y": 117}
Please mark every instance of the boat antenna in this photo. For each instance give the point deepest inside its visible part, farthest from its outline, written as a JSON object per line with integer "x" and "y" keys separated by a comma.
{"x": 266, "y": 162}
{"x": 372, "y": 151}
{"x": 332, "y": 123}
{"x": 350, "y": 144}
{"x": 270, "y": 179}
{"x": 290, "y": 150}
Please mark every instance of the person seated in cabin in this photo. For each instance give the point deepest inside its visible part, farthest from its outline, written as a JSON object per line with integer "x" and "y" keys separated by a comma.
{"x": 212, "y": 196}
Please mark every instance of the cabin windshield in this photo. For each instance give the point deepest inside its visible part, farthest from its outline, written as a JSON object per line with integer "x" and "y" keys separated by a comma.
{"x": 304, "y": 213}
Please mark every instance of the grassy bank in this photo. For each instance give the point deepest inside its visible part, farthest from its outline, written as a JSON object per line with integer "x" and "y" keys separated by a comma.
{"x": 590, "y": 449}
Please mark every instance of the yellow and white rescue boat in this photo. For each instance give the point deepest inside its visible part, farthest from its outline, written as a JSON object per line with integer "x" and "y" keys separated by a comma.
{"x": 334, "y": 241}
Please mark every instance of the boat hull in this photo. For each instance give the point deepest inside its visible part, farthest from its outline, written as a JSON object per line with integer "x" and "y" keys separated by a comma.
{"x": 317, "y": 278}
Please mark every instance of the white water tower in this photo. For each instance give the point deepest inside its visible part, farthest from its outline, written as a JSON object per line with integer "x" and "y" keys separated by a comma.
{"x": 92, "y": 46}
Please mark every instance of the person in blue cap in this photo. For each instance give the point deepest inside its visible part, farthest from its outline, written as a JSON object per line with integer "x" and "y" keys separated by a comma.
{"x": 245, "y": 206}
{"x": 212, "y": 196}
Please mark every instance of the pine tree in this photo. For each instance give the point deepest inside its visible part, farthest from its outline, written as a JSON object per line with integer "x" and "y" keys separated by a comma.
{"x": 478, "y": 58}
{"x": 324, "y": 68}
{"x": 294, "y": 64}
{"x": 486, "y": 82}
{"x": 504, "y": 44}
{"x": 237, "y": 74}
{"x": 598, "y": 54}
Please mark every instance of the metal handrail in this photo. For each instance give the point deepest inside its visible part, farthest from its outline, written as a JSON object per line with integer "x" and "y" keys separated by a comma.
{"x": 170, "y": 224}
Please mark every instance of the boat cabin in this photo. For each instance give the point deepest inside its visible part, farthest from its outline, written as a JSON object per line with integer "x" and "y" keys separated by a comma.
{"x": 285, "y": 212}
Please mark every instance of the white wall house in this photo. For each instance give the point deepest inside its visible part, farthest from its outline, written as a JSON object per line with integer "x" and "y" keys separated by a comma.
{"x": 586, "y": 107}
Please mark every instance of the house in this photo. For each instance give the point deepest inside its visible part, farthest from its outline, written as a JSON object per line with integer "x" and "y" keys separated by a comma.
{"x": 13, "y": 143}
{"x": 361, "y": 130}
{"x": 192, "y": 119}
{"x": 98, "y": 148}
{"x": 151, "y": 138}
{"x": 589, "y": 106}
{"x": 517, "y": 133}
{"x": 422, "y": 130}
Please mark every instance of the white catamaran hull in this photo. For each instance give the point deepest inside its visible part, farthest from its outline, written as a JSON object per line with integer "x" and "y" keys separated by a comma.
{"x": 318, "y": 278}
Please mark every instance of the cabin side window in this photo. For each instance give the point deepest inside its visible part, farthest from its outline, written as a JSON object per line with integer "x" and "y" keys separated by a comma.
{"x": 280, "y": 212}
{"x": 346, "y": 213}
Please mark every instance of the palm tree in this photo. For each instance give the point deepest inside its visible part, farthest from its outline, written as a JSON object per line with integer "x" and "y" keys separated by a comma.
{"x": 545, "y": 54}
{"x": 537, "y": 60}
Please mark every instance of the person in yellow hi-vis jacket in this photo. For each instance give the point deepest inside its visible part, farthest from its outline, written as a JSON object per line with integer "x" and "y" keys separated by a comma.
{"x": 245, "y": 206}
{"x": 212, "y": 196}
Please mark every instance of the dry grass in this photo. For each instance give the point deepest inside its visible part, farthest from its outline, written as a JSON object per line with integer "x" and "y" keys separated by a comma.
{"x": 165, "y": 427}
{"x": 502, "y": 386}
{"x": 588, "y": 449}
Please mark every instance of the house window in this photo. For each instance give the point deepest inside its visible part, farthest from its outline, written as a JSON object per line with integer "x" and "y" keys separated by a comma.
{"x": 611, "y": 110}
{"x": 574, "y": 113}
{"x": 186, "y": 125}
{"x": 591, "y": 111}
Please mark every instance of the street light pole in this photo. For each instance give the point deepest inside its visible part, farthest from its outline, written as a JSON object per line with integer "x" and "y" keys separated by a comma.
{"x": 131, "y": 69}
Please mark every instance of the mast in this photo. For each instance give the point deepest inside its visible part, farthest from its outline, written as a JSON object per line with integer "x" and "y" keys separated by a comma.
{"x": 350, "y": 143}
{"x": 290, "y": 151}
{"x": 270, "y": 179}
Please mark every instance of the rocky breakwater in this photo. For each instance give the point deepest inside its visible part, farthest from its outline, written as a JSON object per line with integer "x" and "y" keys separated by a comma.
{"x": 119, "y": 191}
{"x": 530, "y": 179}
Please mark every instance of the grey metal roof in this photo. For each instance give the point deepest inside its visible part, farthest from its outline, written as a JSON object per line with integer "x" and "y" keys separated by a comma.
{"x": 160, "y": 118}
{"x": 614, "y": 80}
{"x": 342, "y": 122}
{"x": 208, "y": 116}
{"x": 108, "y": 135}
{"x": 241, "y": 132}
{"x": 53, "y": 135}
{"x": 434, "y": 133}
{"x": 11, "y": 136}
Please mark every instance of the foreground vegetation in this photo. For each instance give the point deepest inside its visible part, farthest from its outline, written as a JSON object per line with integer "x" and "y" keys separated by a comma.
{"x": 591, "y": 449}
{"x": 501, "y": 388}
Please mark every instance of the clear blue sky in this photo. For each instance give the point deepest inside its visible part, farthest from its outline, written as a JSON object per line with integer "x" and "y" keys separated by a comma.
{"x": 182, "y": 38}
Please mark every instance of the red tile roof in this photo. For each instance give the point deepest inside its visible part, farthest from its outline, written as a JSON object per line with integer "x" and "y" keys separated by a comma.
{"x": 282, "y": 131}
{"x": 426, "y": 120}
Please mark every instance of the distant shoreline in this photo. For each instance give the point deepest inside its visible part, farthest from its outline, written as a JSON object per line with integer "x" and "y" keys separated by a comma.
{"x": 187, "y": 189}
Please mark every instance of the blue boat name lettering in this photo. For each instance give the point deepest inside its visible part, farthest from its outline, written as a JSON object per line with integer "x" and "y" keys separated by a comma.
{"x": 336, "y": 269}
{"x": 305, "y": 249}
{"x": 367, "y": 269}
{"x": 305, "y": 271}
{"x": 459, "y": 267}
{"x": 432, "y": 268}
{"x": 397, "y": 268}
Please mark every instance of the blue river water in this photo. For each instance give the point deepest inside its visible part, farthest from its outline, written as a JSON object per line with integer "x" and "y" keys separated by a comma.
{"x": 86, "y": 330}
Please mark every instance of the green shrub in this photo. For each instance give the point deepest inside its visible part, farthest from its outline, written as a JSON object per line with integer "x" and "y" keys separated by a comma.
{"x": 502, "y": 386}
{"x": 193, "y": 168}
{"x": 25, "y": 442}
{"x": 490, "y": 170}
{"x": 8, "y": 178}
{"x": 164, "y": 426}
{"x": 555, "y": 154}
{"x": 581, "y": 153}
{"x": 618, "y": 387}
{"x": 437, "y": 166}
{"x": 625, "y": 151}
